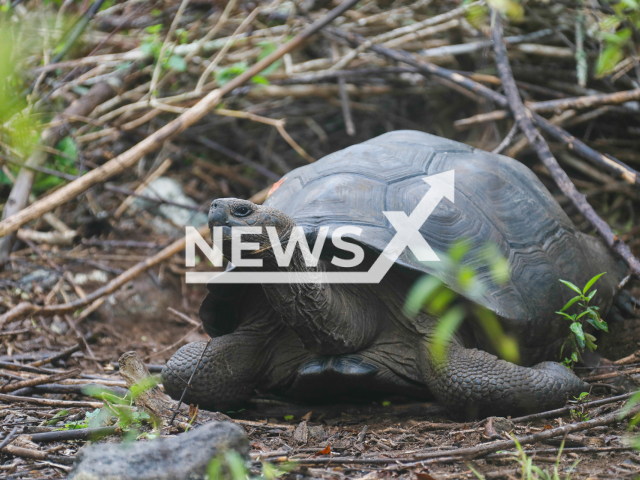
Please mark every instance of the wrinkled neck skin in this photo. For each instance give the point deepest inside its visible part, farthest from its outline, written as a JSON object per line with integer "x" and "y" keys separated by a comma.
{"x": 297, "y": 303}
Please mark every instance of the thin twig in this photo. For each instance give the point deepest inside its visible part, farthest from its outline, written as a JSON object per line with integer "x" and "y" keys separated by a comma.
{"x": 507, "y": 140}
{"x": 184, "y": 392}
{"x": 214, "y": 63}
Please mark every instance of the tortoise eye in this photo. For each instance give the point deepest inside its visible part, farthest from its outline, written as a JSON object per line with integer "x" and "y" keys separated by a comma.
{"x": 242, "y": 211}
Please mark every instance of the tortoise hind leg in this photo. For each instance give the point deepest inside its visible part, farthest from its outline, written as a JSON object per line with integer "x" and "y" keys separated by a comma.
{"x": 479, "y": 384}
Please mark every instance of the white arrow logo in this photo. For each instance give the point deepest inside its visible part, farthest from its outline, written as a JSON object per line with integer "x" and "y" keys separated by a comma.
{"x": 407, "y": 236}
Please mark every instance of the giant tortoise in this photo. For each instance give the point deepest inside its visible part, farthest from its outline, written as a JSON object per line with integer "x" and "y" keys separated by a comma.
{"x": 318, "y": 340}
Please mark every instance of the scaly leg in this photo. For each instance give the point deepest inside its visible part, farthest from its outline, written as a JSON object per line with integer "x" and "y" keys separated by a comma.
{"x": 478, "y": 383}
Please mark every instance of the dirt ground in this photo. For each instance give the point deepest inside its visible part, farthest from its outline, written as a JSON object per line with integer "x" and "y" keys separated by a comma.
{"x": 382, "y": 439}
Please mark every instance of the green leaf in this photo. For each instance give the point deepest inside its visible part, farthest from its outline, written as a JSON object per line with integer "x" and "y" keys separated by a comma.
{"x": 572, "y": 287}
{"x": 608, "y": 59}
{"x": 236, "y": 465}
{"x": 420, "y": 293}
{"x": 260, "y": 80}
{"x": 68, "y": 147}
{"x": 288, "y": 418}
{"x": 570, "y": 302}
{"x": 444, "y": 331}
{"x": 629, "y": 405}
{"x": 142, "y": 386}
{"x": 571, "y": 318}
{"x": 576, "y": 328}
{"x": 57, "y": 416}
{"x": 226, "y": 74}
{"x": 592, "y": 281}
{"x": 154, "y": 28}
{"x": 441, "y": 301}
{"x": 214, "y": 469}
{"x": 177, "y": 63}
{"x": 591, "y": 295}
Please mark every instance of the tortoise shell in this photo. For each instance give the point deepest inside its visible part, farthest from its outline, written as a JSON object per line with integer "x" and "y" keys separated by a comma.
{"x": 497, "y": 201}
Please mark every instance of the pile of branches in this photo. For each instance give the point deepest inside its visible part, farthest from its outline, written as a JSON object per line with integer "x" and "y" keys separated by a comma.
{"x": 225, "y": 98}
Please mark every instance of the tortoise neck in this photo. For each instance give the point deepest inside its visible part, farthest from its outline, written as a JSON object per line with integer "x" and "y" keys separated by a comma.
{"x": 301, "y": 298}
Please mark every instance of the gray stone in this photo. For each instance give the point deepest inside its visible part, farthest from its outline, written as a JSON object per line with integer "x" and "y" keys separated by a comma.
{"x": 170, "y": 190}
{"x": 44, "y": 278}
{"x": 183, "y": 457}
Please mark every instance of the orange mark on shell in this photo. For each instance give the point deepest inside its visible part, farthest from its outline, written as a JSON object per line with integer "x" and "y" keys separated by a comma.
{"x": 275, "y": 186}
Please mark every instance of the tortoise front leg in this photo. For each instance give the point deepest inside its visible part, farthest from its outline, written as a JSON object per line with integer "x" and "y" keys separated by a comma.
{"x": 233, "y": 367}
{"x": 478, "y": 383}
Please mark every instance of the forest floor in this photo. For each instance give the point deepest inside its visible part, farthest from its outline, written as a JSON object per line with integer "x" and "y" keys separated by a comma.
{"x": 93, "y": 263}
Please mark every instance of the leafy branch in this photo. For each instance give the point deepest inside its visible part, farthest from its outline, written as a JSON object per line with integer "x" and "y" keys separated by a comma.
{"x": 578, "y": 338}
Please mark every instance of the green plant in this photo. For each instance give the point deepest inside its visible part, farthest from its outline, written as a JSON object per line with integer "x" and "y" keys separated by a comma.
{"x": 128, "y": 417}
{"x": 231, "y": 464}
{"x": 57, "y": 417}
{"x": 531, "y": 471}
{"x": 89, "y": 419}
{"x": 579, "y": 415}
{"x": 440, "y": 300}
{"x": 615, "y": 31}
{"x": 578, "y": 339}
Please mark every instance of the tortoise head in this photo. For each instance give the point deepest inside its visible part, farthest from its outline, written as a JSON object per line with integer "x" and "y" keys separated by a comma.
{"x": 234, "y": 212}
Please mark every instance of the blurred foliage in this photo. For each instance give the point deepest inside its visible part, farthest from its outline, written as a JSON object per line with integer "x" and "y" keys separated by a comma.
{"x": 438, "y": 300}
{"x": 20, "y": 125}
{"x": 230, "y": 464}
{"x": 19, "y": 129}
{"x": 612, "y": 28}
{"x": 578, "y": 338}
{"x": 615, "y": 32}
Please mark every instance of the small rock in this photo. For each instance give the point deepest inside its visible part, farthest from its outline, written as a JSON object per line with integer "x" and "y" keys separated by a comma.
{"x": 182, "y": 457}
{"x": 95, "y": 276}
{"x": 498, "y": 427}
{"x": 58, "y": 326}
{"x": 41, "y": 277}
{"x": 170, "y": 190}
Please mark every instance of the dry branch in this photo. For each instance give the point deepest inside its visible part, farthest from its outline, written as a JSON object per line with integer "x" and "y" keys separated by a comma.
{"x": 32, "y": 382}
{"x": 554, "y": 106}
{"x": 47, "y": 402}
{"x": 484, "y": 449}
